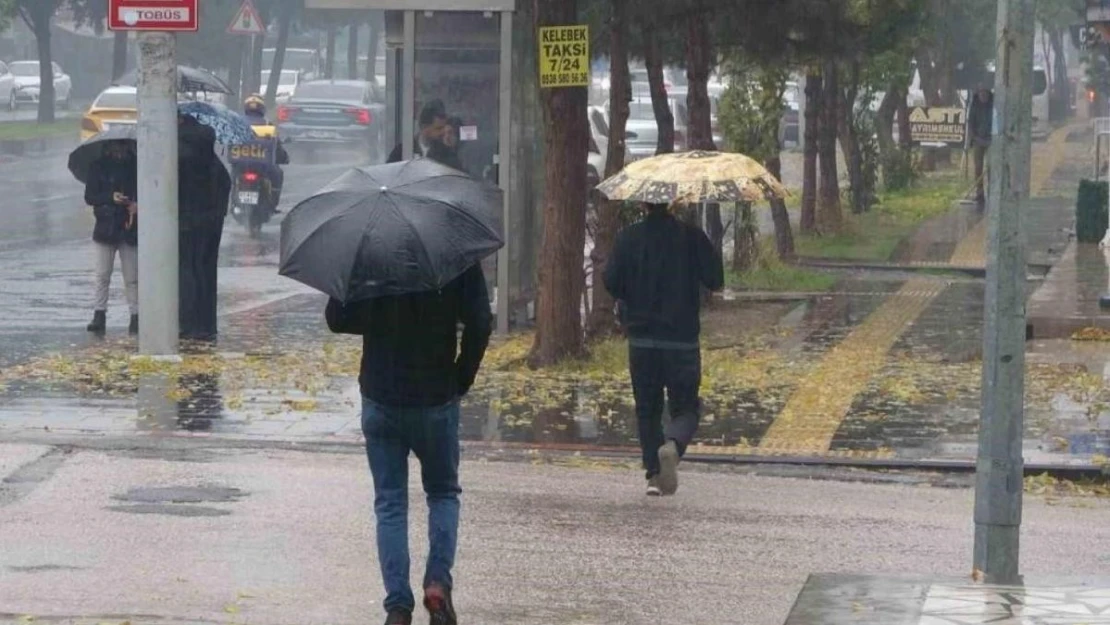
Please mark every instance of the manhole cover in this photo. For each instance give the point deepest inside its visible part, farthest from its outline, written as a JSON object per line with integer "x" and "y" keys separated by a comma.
{"x": 181, "y": 494}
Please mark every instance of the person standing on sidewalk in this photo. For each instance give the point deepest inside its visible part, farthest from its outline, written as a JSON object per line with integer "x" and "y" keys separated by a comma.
{"x": 111, "y": 190}
{"x": 656, "y": 273}
{"x": 413, "y": 373}
{"x": 980, "y": 123}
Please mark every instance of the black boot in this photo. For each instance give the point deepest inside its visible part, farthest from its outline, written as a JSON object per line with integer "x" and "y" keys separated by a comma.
{"x": 99, "y": 322}
{"x": 134, "y": 327}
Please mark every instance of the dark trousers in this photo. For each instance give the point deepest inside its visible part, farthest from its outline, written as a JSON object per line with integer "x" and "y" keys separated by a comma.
{"x": 199, "y": 255}
{"x": 980, "y": 155}
{"x": 678, "y": 372}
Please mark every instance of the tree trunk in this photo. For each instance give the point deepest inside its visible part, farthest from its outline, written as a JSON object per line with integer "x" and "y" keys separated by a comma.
{"x": 664, "y": 118}
{"x": 372, "y": 47}
{"x": 745, "y": 238}
{"x": 784, "y": 233}
{"x": 47, "y": 99}
{"x": 329, "y": 62}
{"x": 849, "y": 138}
{"x": 829, "y": 216}
{"x": 284, "y": 23}
{"x": 566, "y": 144}
{"x": 884, "y": 132}
{"x": 352, "y": 51}
{"x": 905, "y": 140}
{"x": 602, "y": 317}
{"x": 1061, "y": 86}
{"x": 699, "y": 133}
{"x": 814, "y": 87}
{"x": 119, "y": 54}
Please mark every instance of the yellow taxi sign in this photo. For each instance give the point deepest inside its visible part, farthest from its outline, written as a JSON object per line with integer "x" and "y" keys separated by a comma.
{"x": 564, "y": 56}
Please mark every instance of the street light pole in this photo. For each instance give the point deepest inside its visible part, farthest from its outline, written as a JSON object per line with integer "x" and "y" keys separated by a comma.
{"x": 157, "y": 170}
{"x": 1000, "y": 466}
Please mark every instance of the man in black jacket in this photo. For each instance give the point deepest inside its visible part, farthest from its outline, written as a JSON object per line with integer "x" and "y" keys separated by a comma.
{"x": 413, "y": 373}
{"x": 204, "y": 187}
{"x": 433, "y": 123}
{"x": 980, "y": 125}
{"x": 111, "y": 190}
{"x": 656, "y": 273}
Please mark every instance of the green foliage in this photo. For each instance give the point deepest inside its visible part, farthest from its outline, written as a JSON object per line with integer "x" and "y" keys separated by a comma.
{"x": 7, "y": 14}
{"x": 771, "y": 274}
{"x": 875, "y": 235}
{"x": 1091, "y": 211}
{"x": 751, "y": 107}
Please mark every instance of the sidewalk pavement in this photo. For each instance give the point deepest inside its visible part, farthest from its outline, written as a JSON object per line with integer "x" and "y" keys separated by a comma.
{"x": 883, "y": 369}
{"x": 148, "y": 532}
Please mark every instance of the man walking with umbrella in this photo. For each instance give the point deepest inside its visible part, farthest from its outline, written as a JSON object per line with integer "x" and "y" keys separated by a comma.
{"x": 398, "y": 247}
{"x": 656, "y": 273}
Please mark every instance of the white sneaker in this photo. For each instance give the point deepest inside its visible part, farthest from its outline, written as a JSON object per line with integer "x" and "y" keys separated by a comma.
{"x": 653, "y": 487}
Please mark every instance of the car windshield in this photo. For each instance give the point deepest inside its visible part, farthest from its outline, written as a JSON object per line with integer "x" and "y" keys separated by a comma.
{"x": 329, "y": 91}
{"x": 641, "y": 110}
{"x": 28, "y": 68}
{"x": 117, "y": 101}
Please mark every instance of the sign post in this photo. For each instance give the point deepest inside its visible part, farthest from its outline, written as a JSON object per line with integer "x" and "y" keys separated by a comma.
{"x": 157, "y": 162}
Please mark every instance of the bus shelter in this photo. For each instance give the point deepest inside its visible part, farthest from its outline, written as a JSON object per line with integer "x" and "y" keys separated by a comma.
{"x": 458, "y": 52}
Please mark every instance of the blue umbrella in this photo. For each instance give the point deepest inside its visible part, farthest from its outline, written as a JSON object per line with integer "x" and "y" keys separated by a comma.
{"x": 231, "y": 127}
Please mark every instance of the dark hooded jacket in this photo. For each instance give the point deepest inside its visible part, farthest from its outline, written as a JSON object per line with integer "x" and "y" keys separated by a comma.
{"x": 203, "y": 183}
{"x": 980, "y": 120}
{"x": 106, "y": 177}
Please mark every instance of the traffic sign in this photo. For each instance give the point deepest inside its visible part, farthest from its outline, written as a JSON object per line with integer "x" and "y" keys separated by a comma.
{"x": 246, "y": 21}
{"x": 165, "y": 15}
{"x": 564, "y": 56}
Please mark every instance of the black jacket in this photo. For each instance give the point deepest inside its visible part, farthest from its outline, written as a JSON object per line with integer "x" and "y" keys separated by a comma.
{"x": 411, "y": 355}
{"x": 656, "y": 272}
{"x": 107, "y": 177}
{"x": 203, "y": 183}
{"x": 980, "y": 120}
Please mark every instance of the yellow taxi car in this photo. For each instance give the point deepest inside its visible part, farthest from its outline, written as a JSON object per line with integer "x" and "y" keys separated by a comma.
{"x": 114, "y": 105}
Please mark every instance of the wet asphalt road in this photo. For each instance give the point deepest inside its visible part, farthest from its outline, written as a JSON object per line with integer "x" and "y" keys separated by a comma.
{"x": 46, "y": 256}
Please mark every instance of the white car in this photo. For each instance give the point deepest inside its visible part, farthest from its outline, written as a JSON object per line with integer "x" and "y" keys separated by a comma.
{"x": 27, "y": 83}
{"x": 7, "y": 87}
{"x": 287, "y": 83}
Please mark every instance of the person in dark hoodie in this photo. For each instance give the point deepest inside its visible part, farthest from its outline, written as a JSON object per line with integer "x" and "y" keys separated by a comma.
{"x": 111, "y": 189}
{"x": 414, "y": 371}
{"x": 203, "y": 193}
{"x": 432, "y": 122}
{"x": 980, "y": 125}
{"x": 656, "y": 273}
{"x": 446, "y": 150}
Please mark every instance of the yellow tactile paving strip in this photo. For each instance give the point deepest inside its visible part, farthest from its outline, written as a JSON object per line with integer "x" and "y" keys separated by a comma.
{"x": 971, "y": 251}
{"x": 813, "y": 414}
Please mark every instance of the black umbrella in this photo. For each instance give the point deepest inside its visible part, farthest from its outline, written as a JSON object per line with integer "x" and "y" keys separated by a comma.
{"x": 83, "y": 156}
{"x": 189, "y": 80}
{"x": 390, "y": 229}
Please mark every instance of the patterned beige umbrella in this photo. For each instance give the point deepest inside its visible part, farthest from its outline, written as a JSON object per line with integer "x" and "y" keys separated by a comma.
{"x": 693, "y": 178}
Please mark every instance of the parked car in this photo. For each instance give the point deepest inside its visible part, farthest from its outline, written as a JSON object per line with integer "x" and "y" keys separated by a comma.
{"x": 7, "y": 87}
{"x": 113, "y": 107}
{"x": 791, "y": 105}
{"x": 287, "y": 83}
{"x": 334, "y": 112}
{"x": 598, "y": 156}
{"x": 643, "y": 131}
{"x": 27, "y": 83}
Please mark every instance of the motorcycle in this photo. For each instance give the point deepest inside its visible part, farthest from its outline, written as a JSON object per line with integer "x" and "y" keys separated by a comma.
{"x": 256, "y": 189}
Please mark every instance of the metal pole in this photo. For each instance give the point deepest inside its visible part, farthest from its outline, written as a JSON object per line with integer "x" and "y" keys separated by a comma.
{"x": 504, "y": 170}
{"x": 157, "y": 145}
{"x": 408, "y": 86}
{"x": 999, "y": 468}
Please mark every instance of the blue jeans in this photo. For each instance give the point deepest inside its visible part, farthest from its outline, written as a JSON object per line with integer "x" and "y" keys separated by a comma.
{"x": 433, "y": 435}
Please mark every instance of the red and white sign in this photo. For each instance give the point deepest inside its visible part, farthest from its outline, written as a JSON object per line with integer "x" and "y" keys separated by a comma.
{"x": 246, "y": 21}
{"x": 168, "y": 15}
